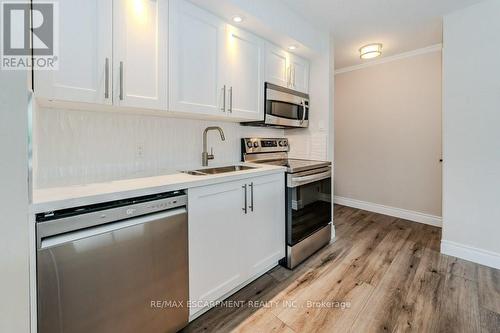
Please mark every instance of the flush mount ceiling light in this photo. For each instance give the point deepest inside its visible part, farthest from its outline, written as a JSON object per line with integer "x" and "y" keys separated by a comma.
{"x": 237, "y": 19}
{"x": 370, "y": 51}
{"x": 292, "y": 47}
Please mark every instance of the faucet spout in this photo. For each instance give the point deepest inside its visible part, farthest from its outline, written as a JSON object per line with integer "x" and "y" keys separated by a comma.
{"x": 214, "y": 128}
{"x": 205, "y": 156}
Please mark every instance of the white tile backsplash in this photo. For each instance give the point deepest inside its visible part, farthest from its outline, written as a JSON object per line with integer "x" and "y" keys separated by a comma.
{"x": 80, "y": 147}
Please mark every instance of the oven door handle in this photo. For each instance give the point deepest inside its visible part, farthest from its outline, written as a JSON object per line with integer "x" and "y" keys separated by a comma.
{"x": 299, "y": 181}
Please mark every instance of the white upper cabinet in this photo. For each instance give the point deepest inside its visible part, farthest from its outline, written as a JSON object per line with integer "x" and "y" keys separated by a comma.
{"x": 111, "y": 52}
{"x": 215, "y": 69}
{"x": 286, "y": 69}
{"x": 299, "y": 78}
{"x": 197, "y": 44}
{"x": 85, "y": 54}
{"x": 245, "y": 59}
{"x": 164, "y": 55}
{"x": 277, "y": 70}
{"x": 140, "y": 53}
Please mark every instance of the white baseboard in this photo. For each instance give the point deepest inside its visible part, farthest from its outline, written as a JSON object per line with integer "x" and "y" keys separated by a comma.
{"x": 479, "y": 256}
{"x": 391, "y": 211}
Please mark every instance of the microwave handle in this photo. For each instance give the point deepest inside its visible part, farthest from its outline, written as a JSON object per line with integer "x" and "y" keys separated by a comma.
{"x": 303, "y": 103}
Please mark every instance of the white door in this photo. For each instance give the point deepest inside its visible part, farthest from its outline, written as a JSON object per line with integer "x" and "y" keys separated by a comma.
{"x": 215, "y": 231}
{"x": 277, "y": 65}
{"x": 85, "y": 54}
{"x": 265, "y": 223}
{"x": 140, "y": 53}
{"x": 299, "y": 74}
{"x": 197, "y": 42}
{"x": 245, "y": 59}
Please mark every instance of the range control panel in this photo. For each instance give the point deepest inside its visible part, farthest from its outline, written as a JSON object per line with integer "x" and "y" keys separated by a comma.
{"x": 259, "y": 145}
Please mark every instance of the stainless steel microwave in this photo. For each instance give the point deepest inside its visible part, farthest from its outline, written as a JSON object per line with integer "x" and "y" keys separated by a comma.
{"x": 284, "y": 108}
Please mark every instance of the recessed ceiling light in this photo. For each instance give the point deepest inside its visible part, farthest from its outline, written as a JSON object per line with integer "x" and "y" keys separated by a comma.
{"x": 237, "y": 19}
{"x": 292, "y": 47}
{"x": 370, "y": 51}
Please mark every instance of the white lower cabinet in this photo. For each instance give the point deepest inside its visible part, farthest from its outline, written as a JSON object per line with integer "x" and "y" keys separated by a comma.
{"x": 236, "y": 233}
{"x": 265, "y": 224}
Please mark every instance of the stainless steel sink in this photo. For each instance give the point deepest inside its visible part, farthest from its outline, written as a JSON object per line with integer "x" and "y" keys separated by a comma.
{"x": 215, "y": 171}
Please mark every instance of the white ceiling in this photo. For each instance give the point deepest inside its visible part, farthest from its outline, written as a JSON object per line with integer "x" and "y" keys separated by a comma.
{"x": 401, "y": 25}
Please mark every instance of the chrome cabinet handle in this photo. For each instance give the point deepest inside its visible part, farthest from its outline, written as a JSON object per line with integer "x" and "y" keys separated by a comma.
{"x": 245, "y": 209}
{"x": 121, "y": 80}
{"x": 106, "y": 79}
{"x": 251, "y": 197}
{"x": 293, "y": 84}
{"x": 289, "y": 76}
{"x": 231, "y": 99}
{"x": 223, "y": 109}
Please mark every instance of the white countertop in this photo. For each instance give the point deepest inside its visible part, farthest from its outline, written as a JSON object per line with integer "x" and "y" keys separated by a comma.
{"x": 50, "y": 199}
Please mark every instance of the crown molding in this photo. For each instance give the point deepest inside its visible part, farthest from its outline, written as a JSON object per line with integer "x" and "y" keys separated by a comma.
{"x": 424, "y": 50}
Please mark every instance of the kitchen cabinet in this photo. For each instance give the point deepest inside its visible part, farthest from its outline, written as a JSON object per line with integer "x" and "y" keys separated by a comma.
{"x": 299, "y": 77}
{"x": 265, "y": 224}
{"x": 196, "y": 55}
{"x": 236, "y": 233}
{"x": 161, "y": 54}
{"x": 215, "y": 69}
{"x": 277, "y": 62}
{"x": 245, "y": 59}
{"x": 140, "y": 53}
{"x": 215, "y": 225}
{"x": 286, "y": 69}
{"x": 111, "y": 53}
{"x": 85, "y": 54}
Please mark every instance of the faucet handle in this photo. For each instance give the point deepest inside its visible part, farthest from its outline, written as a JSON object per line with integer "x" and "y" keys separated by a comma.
{"x": 211, "y": 155}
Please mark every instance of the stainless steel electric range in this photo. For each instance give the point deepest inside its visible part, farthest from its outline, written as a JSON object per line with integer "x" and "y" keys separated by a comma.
{"x": 308, "y": 196}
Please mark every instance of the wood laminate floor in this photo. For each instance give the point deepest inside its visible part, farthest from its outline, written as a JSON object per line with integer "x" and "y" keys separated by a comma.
{"x": 383, "y": 274}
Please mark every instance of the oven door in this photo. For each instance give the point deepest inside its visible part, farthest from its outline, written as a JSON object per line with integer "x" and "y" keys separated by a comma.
{"x": 309, "y": 206}
{"x": 285, "y": 107}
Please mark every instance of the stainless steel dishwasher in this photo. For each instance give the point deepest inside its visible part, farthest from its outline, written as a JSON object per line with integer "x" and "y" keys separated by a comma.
{"x": 119, "y": 266}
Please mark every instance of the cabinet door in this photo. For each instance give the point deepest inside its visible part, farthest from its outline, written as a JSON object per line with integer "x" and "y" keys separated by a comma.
{"x": 277, "y": 65}
{"x": 85, "y": 48}
{"x": 196, "y": 80}
{"x": 215, "y": 231}
{"x": 245, "y": 59}
{"x": 265, "y": 223}
{"x": 140, "y": 53}
{"x": 300, "y": 74}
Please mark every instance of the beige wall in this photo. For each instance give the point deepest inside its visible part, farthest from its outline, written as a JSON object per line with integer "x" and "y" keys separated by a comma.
{"x": 388, "y": 134}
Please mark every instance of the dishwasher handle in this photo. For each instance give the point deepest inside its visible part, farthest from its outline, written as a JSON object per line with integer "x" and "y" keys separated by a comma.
{"x": 59, "y": 239}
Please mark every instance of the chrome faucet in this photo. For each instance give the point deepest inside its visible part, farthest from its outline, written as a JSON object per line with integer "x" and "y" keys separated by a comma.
{"x": 205, "y": 156}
